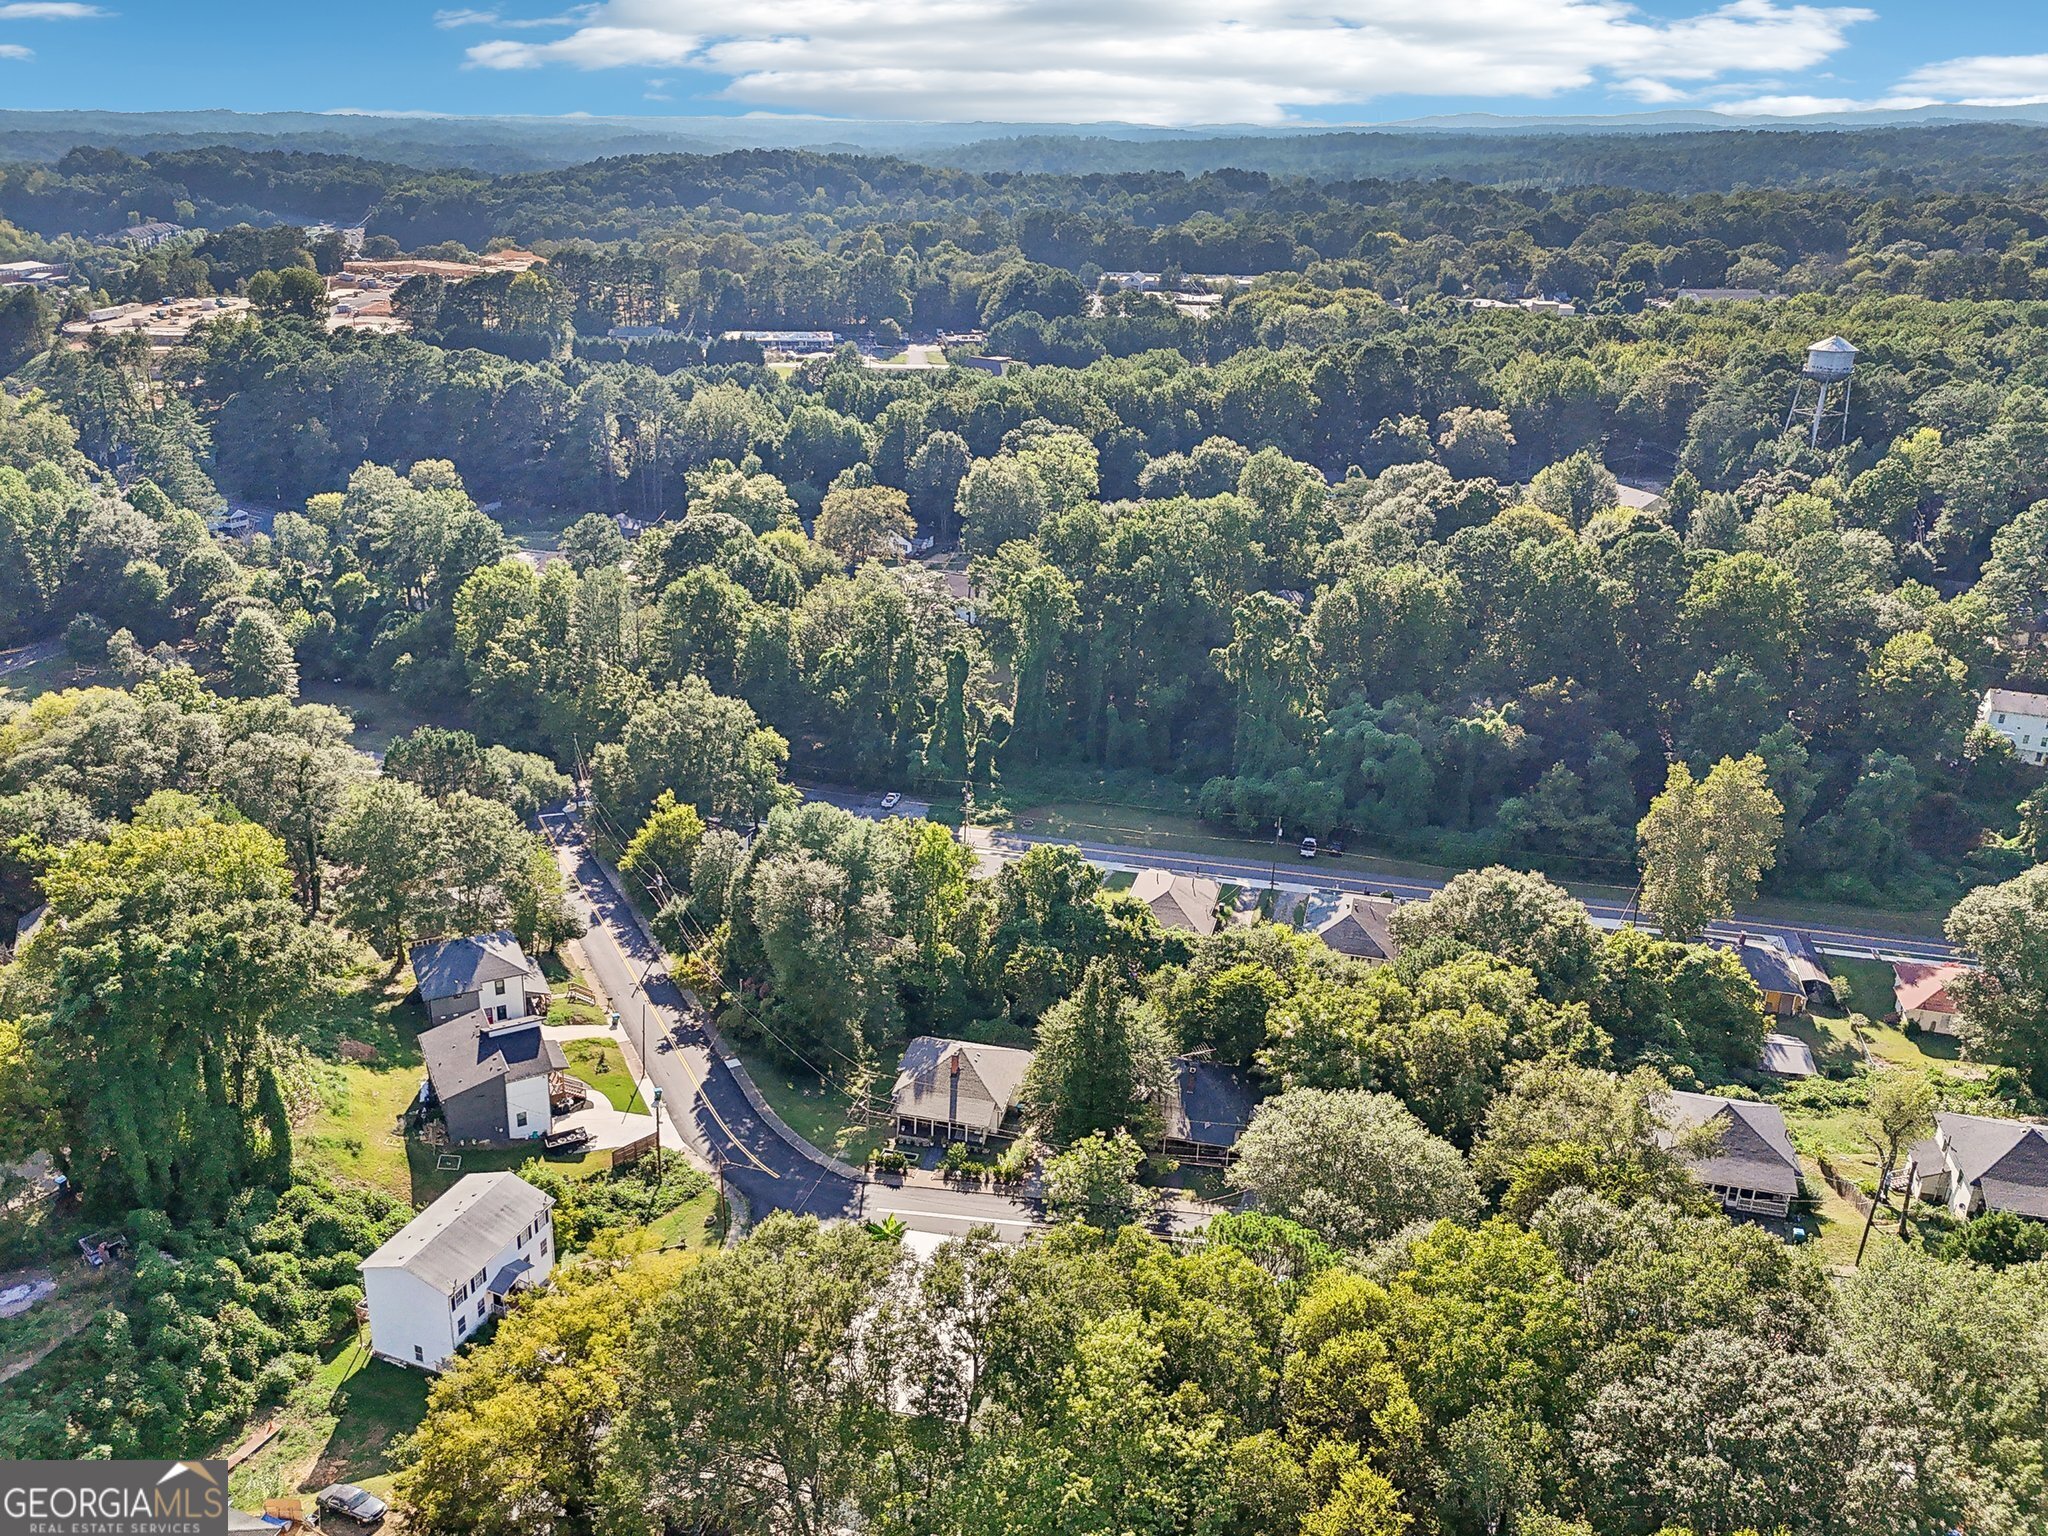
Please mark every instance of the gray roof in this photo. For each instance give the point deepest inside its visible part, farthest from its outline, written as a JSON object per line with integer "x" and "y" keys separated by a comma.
{"x": 1179, "y": 901}
{"x": 1754, "y": 1151}
{"x": 1207, "y": 1104}
{"x": 959, "y": 1082}
{"x": 451, "y": 967}
{"x": 474, "y": 1048}
{"x": 1768, "y": 964}
{"x": 2007, "y": 1159}
{"x": 1787, "y": 1056}
{"x": 1361, "y": 927}
{"x": 460, "y": 1233}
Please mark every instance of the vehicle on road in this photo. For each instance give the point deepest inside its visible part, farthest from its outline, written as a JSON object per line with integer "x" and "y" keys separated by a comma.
{"x": 891, "y": 800}
{"x": 1308, "y": 847}
{"x": 351, "y": 1502}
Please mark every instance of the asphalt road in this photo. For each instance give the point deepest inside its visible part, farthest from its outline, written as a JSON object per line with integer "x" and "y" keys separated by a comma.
{"x": 705, "y": 1103}
{"x": 1860, "y": 943}
{"x": 1331, "y": 873}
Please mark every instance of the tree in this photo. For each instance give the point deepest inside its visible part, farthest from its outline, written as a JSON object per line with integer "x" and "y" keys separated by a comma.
{"x": 1096, "y": 1181}
{"x": 516, "y": 1427}
{"x": 750, "y": 1401}
{"x": 1726, "y": 1432}
{"x": 1561, "y": 1126}
{"x": 592, "y": 542}
{"x": 1574, "y": 489}
{"x": 296, "y": 788}
{"x": 258, "y": 657}
{"x": 1900, "y": 1112}
{"x": 863, "y": 522}
{"x": 662, "y": 851}
{"x": 1705, "y": 843}
{"x": 1353, "y": 1166}
{"x": 1522, "y": 918}
{"x": 177, "y": 948}
{"x": 389, "y": 844}
{"x": 1100, "y": 1065}
{"x": 2004, "y": 928}
{"x": 933, "y": 476}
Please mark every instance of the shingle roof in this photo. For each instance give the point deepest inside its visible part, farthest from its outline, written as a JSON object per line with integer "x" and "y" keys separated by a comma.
{"x": 1768, "y": 964}
{"x": 1923, "y": 987}
{"x": 474, "y": 1048}
{"x": 1179, "y": 901}
{"x": 451, "y": 967}
{"x": 1361, "y": 927}
{"x": 464, "y": 1230}
{"x": 1754, "y": 1151}
{"x": 2006, "y": 1159}
{"x": 1207, "y": 1104}
{"x": 2015, "y": 701}
{"x": 1787, "y": 1056}
{"x": 958, "y": 1082}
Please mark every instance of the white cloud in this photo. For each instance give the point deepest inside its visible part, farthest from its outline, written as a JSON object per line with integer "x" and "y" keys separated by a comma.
{"x": 48, "y": 10}
{"x": 15, "y": 51}
{"x": 1176, "y": 61}
{"x": 473, "y": 18}
{"x": 1989, "y": 80}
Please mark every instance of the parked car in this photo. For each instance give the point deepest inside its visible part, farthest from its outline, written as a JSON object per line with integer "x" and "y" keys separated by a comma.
{"x": 1308, "y": 847}
{"x": 891, "y": 800}
{"x": 1332, "y": 850}
{"x": 574, "y": 1139}
{"x": 347, "y": 1500}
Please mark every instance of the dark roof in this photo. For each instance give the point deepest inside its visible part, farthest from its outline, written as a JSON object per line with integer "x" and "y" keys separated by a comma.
{"x": 1208, "y": 1105}
{"x": 1768, "y": 965}
{"x": 464, "y": 1230}
{"x": 473, "y": 1049}
{"x": 1754, "y": 1151}
{"x": 1361, "y": 927}
{"x": 451, "y": 967}
{"x": 2006, "y": 1159}
{"x": 1787, "y": 1056}
{"x": 959, "y": 1082}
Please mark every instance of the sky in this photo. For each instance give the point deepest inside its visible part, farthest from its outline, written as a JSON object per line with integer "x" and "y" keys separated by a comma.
{"x": 1169, "y": 62}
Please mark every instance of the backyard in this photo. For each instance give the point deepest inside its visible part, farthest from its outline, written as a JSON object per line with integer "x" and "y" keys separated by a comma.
{"x": 346, "y": 1423}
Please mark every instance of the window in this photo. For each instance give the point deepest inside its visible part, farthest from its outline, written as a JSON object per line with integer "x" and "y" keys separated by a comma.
{"x": 418, "y": 1353}
{"x": 481, "y": 1303}
{"x": 478, "y": 1283}
{"x": 497, "y": 989}
{"x": 522, "y": 1117}
{"x": 543, "y": 1245}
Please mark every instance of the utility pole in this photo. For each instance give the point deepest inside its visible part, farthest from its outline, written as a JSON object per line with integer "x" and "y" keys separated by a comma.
{"x": 1884, "y": 1179}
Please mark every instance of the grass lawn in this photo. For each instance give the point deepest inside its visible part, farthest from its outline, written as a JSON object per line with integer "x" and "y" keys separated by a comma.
{"x": 602, "y": 1064}
{"x": 345, "y": 1424}
{"x": 818, "y": 1111}
{"x": 1835, "y": 1050}
{"x": 32, "y": 682}
{"x": 528, "y": 529}
{"x": 694, "y": 1225}
{"x": 379, "y": 717}
{"x": 1870, "y": 985}
{"x": 430, "y": 1180}
{"x": 1119, "y": 879}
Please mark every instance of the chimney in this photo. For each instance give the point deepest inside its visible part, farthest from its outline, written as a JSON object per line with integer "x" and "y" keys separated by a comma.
{"x": 955, "y": 1059}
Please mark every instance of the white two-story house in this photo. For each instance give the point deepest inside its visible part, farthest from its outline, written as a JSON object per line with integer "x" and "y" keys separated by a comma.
{"x": 2021, "y": 718}
{"x": 448, "y": 1270}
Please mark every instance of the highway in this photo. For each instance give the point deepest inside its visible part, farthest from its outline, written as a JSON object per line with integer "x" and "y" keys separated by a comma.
{"x": 1331, "y": 873}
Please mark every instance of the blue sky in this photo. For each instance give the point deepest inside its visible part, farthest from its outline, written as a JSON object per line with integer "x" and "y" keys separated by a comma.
{"x": 1159, "y": 61}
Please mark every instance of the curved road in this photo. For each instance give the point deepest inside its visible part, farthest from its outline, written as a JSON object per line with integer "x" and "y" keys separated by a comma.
{"x": 770, "y": 1167}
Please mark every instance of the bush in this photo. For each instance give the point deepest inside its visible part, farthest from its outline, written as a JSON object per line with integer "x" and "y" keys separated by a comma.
{"x": 889, "y": 1160}
{"x": 626, "y": 1197}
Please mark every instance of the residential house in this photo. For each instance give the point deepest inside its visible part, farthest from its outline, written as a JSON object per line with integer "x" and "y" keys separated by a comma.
{"x": 1720, "y": 295}
{"x": 1187, "y": 902}
{"x": 1786, "y": 1056}
{"x": 1203, "y": 1111}
{"x": 1974, "y": 1164}
{"x": 2021, "y": 718}
{"x": 1811, "y": 970}
{"x": 1636, "y": 498}
{"x": 487, "y": 972}
{"x": 1924, "y": 998}
{"x": 1362, "y": 927}
{"x": 955, "y": 1090}
{"x": 1751, "y": 1167}
{"x": 1770, "y": 966}
{"x": 494, "y": 1078}
{"x": 441, "y": 1275}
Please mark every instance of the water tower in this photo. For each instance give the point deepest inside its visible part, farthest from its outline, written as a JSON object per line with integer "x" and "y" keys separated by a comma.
{"x": 1822, "y": 394}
